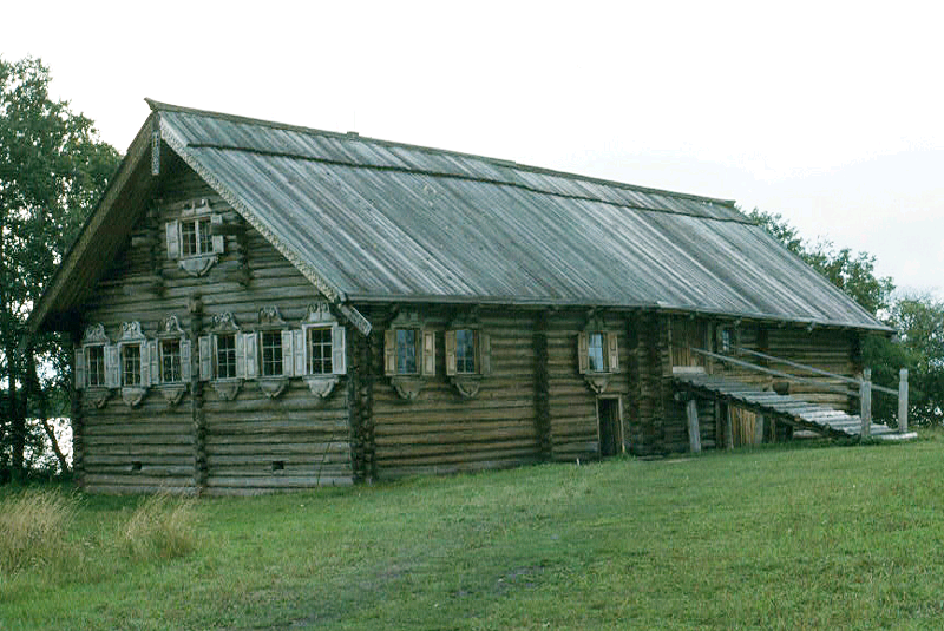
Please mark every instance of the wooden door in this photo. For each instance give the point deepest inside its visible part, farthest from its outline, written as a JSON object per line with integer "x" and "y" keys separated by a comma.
{"x": 611, "y": 430}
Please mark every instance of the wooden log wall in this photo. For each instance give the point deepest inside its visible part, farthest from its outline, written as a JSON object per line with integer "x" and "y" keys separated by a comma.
{"x": 440, "y": 431}
{"x": 204, "y": 443}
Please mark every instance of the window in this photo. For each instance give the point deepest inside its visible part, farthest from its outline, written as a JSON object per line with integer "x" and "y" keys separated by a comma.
{"x": 226, "y": 356}
{"x": 406, "y": 351}
{"x": 131, "y": 365}
{"x": 596, "y": 352}
{"x": 95, "y": 366}
{"x": 465, "y": 351}
{"x": 170, "y": 361}
{"x": 271, "y": 347}
{"x": 725, "y": 340}
{"x": 320, "y": 351}
{"x": 195, "y": 238}
{"x": 409, "y": 351}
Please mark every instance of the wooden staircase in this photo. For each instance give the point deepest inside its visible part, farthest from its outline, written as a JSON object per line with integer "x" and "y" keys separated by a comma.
{"x": 790, "y": 408}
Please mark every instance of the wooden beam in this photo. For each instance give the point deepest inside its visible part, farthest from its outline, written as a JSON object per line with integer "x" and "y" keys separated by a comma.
{"x": 694, "y": 431}
{"x": 865, "y": 403}
{"x": 903, "y": 401}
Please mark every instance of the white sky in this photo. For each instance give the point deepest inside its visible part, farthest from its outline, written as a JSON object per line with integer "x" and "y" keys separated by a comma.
{"x": 829, "y": 113}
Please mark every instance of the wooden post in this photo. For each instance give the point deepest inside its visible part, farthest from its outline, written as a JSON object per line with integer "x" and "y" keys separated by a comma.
{"x": 694, "y": 431}
{"x": 865, "y": 403}
{"x": 729, "y": 427}
{"x": 758, "y": 429}
{"x": 903, "y": 401}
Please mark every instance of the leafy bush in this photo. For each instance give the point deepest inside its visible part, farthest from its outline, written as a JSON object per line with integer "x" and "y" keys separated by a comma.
{"x": 162, "y": 527}
{"x": 34, "y": 525}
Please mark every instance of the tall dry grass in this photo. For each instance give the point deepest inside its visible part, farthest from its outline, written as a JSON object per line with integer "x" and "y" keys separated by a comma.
{"x": 162, "y": 527}
{"x": 33, "y": 529}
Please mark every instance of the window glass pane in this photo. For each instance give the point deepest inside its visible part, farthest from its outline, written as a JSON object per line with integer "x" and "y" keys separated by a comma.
{"x": 319, "y": 351}
{"x": 96, "y": 365}
{"x": 226, "y": 356}
{"x": 271, "y": 353}
{"x": 596, "y": 352}
{"x": 131, "y": 365}
{"x": 465, "y": 351}
{"x": 205, "y": 241}
{"x": 188, "y": 238}
{"x": 406, "y": 351}
{"x": 170, "y": 360}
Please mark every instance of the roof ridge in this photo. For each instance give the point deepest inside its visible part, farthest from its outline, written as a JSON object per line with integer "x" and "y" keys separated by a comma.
{"x": 158, "y": 106}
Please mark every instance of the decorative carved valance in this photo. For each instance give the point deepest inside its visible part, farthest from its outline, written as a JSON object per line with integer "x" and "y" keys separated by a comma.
{"x": 95, "y": 334}
{"x": 271, "y": 316}
{"x": 224, "y": 322}
{"x": 169, "y": 327}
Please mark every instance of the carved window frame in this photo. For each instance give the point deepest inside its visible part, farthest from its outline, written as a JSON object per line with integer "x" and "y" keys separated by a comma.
{"x": 466, "y": 382}
{"x": 319, "y": 317}
{"x": 97, "y": 393}
{"x": 598, "y": 379}
{"x": 132, "y": 337}
{"x": 408, "y": 385}
{"x": 203, "y": 219}
{"x": 169, "y": 330}
{"x": 227, "y": 387}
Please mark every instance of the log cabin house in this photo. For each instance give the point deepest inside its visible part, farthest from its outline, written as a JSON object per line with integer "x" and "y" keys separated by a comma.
{"x": 256, "y": 307}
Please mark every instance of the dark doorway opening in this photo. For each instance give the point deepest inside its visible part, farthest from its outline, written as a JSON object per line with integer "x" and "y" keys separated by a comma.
{"x": 611, "y": 430}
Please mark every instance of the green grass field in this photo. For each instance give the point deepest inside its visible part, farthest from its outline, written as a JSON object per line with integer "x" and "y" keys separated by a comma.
{"x": 816, "y": 538}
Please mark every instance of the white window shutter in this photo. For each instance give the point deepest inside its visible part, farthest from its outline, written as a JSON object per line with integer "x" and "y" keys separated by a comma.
{"x": 288, "y": 363}
{"x": 485, "y": 354}
{"x": 172, "y": 233}
{"x": 78, "y": 369}
{"x": 252, "y": 369}
{"x": 205, "y": 355}
{"x": 299, "y": 348}
{"x": 112, "y": 367}
{"x": 428, "y": 354}
{"x": 217, "y": 240}
{"x": 145, "y": 368}
{"x": 339, "y": 349}
{"x": 582, "y": 351}
{"x": 240, "y": 356}
{"x": 613, "y": 351}
{"x": 186, "y": 368}
{"x": 390, "y": 352}
{"x": 451, "y": 352}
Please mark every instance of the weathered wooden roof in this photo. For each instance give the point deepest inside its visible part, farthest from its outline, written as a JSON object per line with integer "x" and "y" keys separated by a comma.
{"x": 371, "y": 220}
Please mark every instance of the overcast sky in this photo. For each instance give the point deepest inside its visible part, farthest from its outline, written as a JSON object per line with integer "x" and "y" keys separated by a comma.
{"x": 828, "y": 113}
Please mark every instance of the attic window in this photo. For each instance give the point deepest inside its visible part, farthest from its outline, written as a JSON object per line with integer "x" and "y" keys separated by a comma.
{"x": 192, "y": 240}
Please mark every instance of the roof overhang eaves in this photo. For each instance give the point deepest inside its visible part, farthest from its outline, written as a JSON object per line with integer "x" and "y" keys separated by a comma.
{"x": 544, "y": 303}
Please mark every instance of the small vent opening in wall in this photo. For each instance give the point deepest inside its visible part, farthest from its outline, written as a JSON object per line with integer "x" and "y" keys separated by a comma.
{"x": 278, "y": 465}
{"x": 136, "y": 466}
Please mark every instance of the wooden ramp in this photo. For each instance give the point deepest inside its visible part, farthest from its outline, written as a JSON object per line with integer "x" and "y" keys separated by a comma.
{"x": 804, "y": 414}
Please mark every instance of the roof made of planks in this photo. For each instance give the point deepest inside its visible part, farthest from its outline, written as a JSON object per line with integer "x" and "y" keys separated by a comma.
{"x": 371, "y": 220}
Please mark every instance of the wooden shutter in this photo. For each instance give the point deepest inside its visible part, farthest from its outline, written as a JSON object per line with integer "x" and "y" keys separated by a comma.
{"x": 451, "y": 352}
{"x": 145, "y": 351}
{"x": 485, "y": 354}
{"x": 112, "y": 367}
{"x": 428, "y": 353}
{"x": 613, "y": 363}
{"x": 299, "y": 349}
{"x": 205, "y": 356}
{"x": 582, "y": 359}
{"x": 339, "y": 349}
{"x": 252, "y": 364}
{"x": 153, "y": 355}
{"x": 186, "y": 367}
{"x": 390, "y": 352}
{"x": 78, "y": 369}
{"x": 288, "y": 362}
{"x": 217, "y": 240}
{"x": 172, "y": 233}
{"x": 240, "y": 356}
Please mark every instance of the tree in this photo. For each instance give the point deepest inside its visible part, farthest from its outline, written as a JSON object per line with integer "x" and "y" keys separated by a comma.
{"x": 53, "y": 170}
